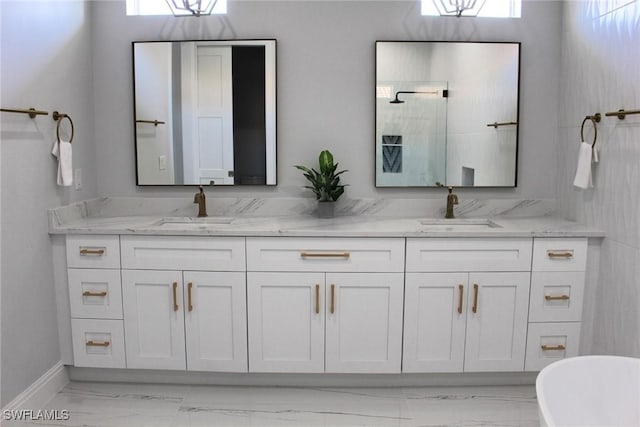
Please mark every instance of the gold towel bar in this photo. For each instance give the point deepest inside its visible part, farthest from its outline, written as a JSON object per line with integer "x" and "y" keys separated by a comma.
{"x": 496, "y": 124}
{"x": 622, "y": 113}
{"x": 594, "y": 119}
{"x": 153, "y": 122}
{"x": 32, "y": 112}
{"x": 57, "y": 117}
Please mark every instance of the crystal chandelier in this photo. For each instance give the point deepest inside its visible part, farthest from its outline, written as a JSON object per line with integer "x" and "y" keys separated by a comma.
{"x": 191, "y": 7}
{"x": 458, "y": 8}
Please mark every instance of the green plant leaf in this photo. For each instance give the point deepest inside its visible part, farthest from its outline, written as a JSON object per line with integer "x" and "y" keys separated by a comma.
{"x": 325, "y": 184}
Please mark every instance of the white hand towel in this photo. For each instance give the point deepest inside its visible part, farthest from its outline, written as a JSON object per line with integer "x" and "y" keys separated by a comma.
{"x": 63, "y": 152}
{"x": 583, "y": 171}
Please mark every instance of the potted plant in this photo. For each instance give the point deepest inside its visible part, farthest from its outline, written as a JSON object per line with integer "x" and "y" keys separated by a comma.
{"x": 325, "y": 184}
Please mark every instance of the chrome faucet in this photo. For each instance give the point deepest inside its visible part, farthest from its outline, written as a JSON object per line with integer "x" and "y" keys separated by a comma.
{"x": 201, "y": 200}
{"x": 452, "y": 199}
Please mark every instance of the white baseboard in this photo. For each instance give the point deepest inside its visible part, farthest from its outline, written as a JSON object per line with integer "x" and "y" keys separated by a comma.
{"x": 42, "y": 390}
{"x": 301, "y": 380}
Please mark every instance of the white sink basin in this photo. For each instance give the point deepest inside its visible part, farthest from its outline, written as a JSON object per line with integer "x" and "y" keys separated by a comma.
{"x": 458, "y": 223}
{"x": 187, "y": 221}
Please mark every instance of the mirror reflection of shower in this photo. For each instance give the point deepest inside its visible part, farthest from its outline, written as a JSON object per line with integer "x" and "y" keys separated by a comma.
{"x": 399, "y": 101}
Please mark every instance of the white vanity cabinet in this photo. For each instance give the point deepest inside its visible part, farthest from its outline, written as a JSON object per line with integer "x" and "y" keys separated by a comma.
{"x": 93, "y": 272}
{"x": 555, "y": 312}
{"x": 324, "y": 304}
{"x": 314, "y": 305}
{"x": 180, "y": 319}
{"x": 466, "y": 304}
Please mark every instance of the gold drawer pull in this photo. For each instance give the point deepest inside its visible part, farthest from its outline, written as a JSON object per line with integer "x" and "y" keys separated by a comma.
{"x": 552, "y": 347}
{"x": 475, "y": 298}
{"x": 189, "y": 290}
{"x": 564, "y": 254}
{"x": 461, "y": 290}
{"x": 98, "y": 343}
{"x": 556, "y": 297}
{"x": 333, "y": 298}
{"x": 344, "y": 255}
{"x": 94, "y": 294}
{"x": 175, "y": 296}
{"x": 317, "y": 299}
{"x": 97, "y": 252}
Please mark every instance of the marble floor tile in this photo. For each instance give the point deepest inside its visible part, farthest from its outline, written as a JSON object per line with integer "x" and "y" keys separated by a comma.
{"x": 140, "y": 405}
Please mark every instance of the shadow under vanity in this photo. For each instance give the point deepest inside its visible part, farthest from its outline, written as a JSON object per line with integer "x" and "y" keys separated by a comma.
{"x": 306, "y": 295}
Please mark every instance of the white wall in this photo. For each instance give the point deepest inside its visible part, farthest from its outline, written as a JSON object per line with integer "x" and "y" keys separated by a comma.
{"x": 46, "y": 63}
{"x": 326, "y": 85}
{"x": 600, "y": 73}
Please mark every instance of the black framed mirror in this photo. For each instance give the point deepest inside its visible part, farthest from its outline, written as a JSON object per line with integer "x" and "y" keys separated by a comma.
{"x": 205, "y": 112}
{"x": 447, "y": 113}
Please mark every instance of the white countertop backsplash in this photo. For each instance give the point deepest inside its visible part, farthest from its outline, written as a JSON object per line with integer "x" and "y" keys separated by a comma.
{"x": 295, "y": 217}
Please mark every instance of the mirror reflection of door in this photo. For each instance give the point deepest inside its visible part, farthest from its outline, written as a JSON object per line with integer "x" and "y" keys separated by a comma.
{"x": 153, "y": 84}
{"x": 207, "y": 118}
{"x": 205, "y": 112}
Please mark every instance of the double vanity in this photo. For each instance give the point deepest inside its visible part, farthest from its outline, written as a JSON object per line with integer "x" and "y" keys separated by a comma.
{"x": 297, "y": 294}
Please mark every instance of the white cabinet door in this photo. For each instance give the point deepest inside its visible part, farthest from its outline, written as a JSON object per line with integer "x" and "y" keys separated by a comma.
{"x": 497, "y": 321}
{"x": 435, "y": 315}
{"x": 363, "y": 322}
{"x": 215, "y": 321}
{"x": 153, "y": 319}
{"x": 285, "y": 322}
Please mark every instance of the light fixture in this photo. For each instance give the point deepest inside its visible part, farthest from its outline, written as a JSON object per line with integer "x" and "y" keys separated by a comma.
{"x": 458, "y": 8}
{"x": 191, "y": 7}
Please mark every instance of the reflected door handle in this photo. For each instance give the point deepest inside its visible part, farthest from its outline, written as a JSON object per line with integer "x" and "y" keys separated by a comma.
{"x": 461, "y": 292}
{"x": 189, "y": 301}
{"x": 317, "y": 299}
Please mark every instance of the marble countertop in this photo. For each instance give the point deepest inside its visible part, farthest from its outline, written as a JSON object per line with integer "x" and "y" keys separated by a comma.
{"x": 345, "y": 226}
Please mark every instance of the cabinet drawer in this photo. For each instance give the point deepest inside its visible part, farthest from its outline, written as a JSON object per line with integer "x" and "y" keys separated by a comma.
{"x": 452, "y": 254}
{"x": 549, "y": 342}
{"x": 183, "y": 253}
{"x": 325, "y": 254}
{"x": 98, "y": 343}
{"x": 556, "y": 296}
{"x": 559, "y": 254}
{"x": 93, "y": 251}
{"x": 95, "y": 293}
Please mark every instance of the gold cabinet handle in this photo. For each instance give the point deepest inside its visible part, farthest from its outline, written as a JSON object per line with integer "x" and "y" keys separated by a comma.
{"x": 556, "y": 297}
{"x": 94, "y": 294}
{"x": 552, "y": 347}
{"x": 96, "y": 252}
{"x": 98, "y": 343}
{"x": 175, "y": 296}
{"x": 562, "y": 255}
{"x": 475, "y": 298}
{"x": 344, "y": 255}
{"x": 317, "y": 299}
{"x": 333, "y": 298}
{"x": 190, "y": 302}
{"x": 461, "y": 290}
